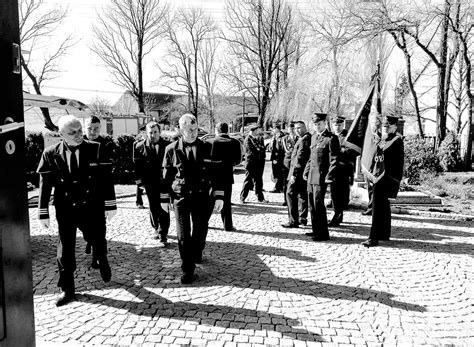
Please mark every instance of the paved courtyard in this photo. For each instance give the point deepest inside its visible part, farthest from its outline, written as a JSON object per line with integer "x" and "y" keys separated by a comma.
{"x": 265, "y": 285}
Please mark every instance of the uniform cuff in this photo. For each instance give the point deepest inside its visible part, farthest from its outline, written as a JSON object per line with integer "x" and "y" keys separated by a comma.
{"x": 43, "y": 213}
{"x": 110, "y": 205}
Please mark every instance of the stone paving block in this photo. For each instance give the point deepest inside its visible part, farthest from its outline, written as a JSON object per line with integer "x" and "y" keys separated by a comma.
{"x": 267, "y": 283}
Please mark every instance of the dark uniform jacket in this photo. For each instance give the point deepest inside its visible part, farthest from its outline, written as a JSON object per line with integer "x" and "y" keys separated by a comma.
{"x": 300, "y": 156}
{"x": 182, "y": 178}
{"x": 92, "y": 190}
{"x": 323, "y": 158}
{"x": 346, "y": 158}
{"x": 393, "y": 159}
{"x": 277, "y": 150}
{"x": 288, "y": 142}
{"x": 254, "y": 151}
{"x": 148, "y": 162}
{"x": 225, "y": 153}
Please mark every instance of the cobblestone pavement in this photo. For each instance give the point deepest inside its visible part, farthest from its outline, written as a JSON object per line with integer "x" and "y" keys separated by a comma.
{"x": 265, "y": 285}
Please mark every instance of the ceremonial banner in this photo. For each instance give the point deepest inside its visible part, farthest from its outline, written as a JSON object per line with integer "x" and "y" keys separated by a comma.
{"x": 357, "y": 132}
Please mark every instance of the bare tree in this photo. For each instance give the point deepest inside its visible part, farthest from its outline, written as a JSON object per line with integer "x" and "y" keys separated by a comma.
{"x": 99, "y": 106}
{"x": 39, "y": 58}
{"x": 463, "y": 26}
{"x": 332, "y": 33}
{"x": 209, "y": 67}
{"x": 188, "y": 32}
{"x": 257, "y": 32}
{"x": 418, "y": 25}
{"x": 126, "y": 33}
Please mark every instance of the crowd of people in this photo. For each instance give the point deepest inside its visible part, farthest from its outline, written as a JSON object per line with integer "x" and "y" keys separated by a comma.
{"x": 195, "y": 177}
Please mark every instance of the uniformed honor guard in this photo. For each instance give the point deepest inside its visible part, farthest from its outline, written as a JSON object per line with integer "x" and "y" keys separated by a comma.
{"x": 82, "y": 193}
{"x": 188, "y": 181}
{"x": 320, "y": 171}
{"x": 148, "y": 157}
{"x": 277, "y": 154}
{"x": 225, "y": 153}
{"x": 297, "y": 186}
{"x": 107, "y": 149}
{"x": 288, "y": 142}
{"x": 254, "y": 164}
{"x": 385, "y": 173}
{"x": 344, "y": 174}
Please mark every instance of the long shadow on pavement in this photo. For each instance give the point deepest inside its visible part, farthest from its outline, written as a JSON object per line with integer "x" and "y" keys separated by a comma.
{"x": 236, "y": 265}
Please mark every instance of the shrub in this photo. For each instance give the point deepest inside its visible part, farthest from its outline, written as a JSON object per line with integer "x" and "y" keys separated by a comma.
{"x": 420, "y": 159}
{"x": 123, "y": 171}
{"x": 448, "y": 154}
{"x": 34, "y": 146}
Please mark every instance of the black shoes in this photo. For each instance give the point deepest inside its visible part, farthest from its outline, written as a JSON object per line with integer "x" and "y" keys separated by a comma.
{"x": 95, "y": 264}
{"x": 105, "y": 271}
{"x": 335, "y": 221}
{"x": 309, "y": 234}
{"x": 284, "y": 204}
{"x": 65, "y": 298}
{"x": 198, "y": 259}
{"x": 319, "y": 238}
{"x": 367, "y": 212}
{"x": 231, "y": 229}
{"x": 370, "y": 243}
{"x": 289, "y": 225}
{"x": 303, "y": 222}
{"x": 187, "y": 278}
{"x": 163, "y": 240}
{"x": 275, "y": 191}
{"x": 263, "y": 201}
{"x": 141, "y": 207}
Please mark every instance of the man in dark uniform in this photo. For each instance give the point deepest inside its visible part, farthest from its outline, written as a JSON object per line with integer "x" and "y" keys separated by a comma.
{"x": 254, "y": 164}
{"x": 225, "y": 153}
{"x": 288, "y": 142}
{"x": 188, "y": 181}
{"x": 320, "y": 171}
{"x": 297, "y": 190}
{"x": 344, "y": 175}
{"x": 82, "y": 193}
{"x": 277, "y": 154}
{"x": 148, "y": 158}
{"x": 389, "y": 159}
{"x": 107, "y": 149}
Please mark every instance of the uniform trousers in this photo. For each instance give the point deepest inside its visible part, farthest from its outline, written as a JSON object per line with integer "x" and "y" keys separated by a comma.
{"x": 317, "y": 208}
{"x": 253, "y": 177}
{"x": 297, "y": 200}
{"x": 91, "y": 221}
{"x": 226, "y": 212}
{"x": 286, "y": 171}
{"x": 381, "y": 215}
{"x": 340, "y": 192}
{"x": 192, "y": 215}
{"x": 278, "y": 176}
{"x": 159, "y": 218}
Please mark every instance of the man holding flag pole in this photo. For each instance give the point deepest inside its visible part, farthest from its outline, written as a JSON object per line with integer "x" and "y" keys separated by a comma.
{"x": 381, "y": 161}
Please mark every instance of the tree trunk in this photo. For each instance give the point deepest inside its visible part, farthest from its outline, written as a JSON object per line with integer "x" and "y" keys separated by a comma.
{"x": 468, "y": 82}
{"x": 141, "y": 104}
{"x": 196, "y": 84}
{"x": 442, "y": 97}
{"x": 48, "y": 123}
{"x": 413, "y": 92}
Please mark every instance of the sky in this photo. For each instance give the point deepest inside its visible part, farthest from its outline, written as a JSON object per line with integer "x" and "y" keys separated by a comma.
{"x": 83, "y": 76}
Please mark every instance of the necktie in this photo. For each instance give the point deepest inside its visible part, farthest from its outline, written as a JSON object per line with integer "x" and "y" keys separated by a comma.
{"x": 190, "y": 154}
{"x": 73, "y": 165}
